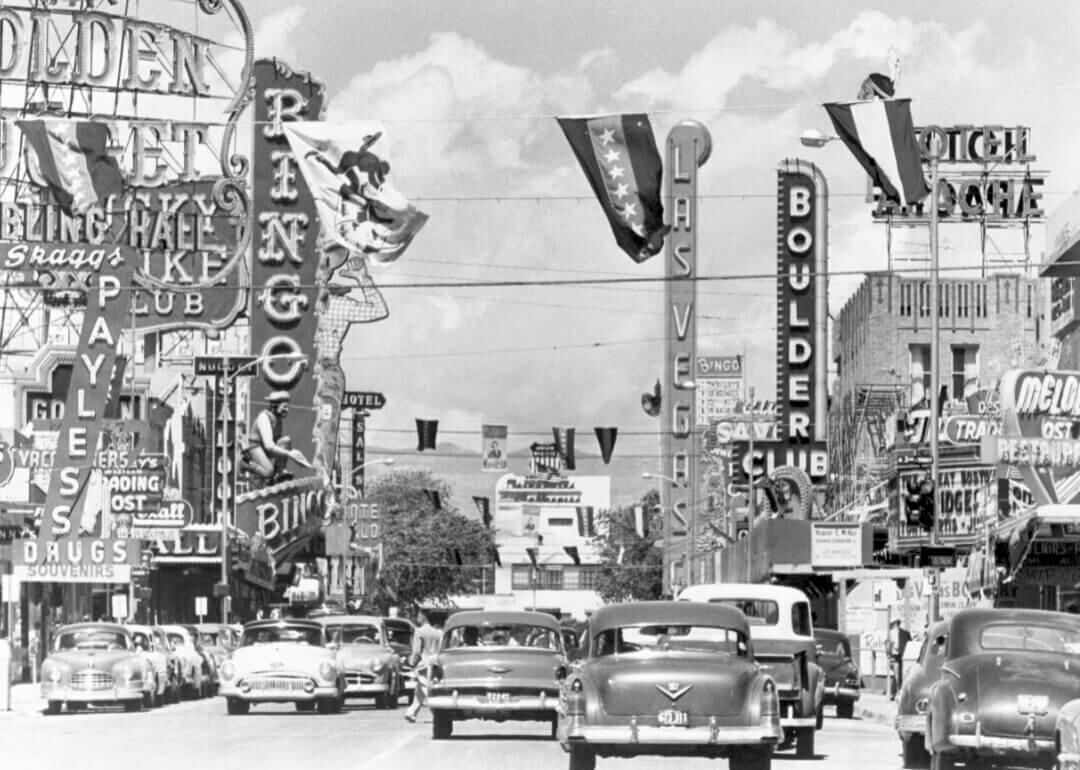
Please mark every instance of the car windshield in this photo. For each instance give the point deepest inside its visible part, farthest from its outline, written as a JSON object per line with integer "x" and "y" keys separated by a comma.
{"x": 502, "y": 635}
{"x": 178, "y": 639}
{"x": 839, "y": 648}
{"x": 669, "y": 637}
{"x": 758, "y": 612}
{"x": 141, "y": 640}
{"x": 92, "y": 639}
{"x": 1013, "y": 636}
{"x": 209, "y": 638}
{"x": 399, "y": 634}
{"x": 354, "y": 633}
{"x": 282, "y": 635}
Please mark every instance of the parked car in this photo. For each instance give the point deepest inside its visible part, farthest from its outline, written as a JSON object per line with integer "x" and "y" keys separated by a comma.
{"x": 95, "y": 663}
{"x": 400, "y": 633}
{"x": 669, "y": 679}
{"x": 286, "y": 660}
{"x": 842, "y": 680}
{"x": 913, "y": 701}
{"x": 216, "y": 639}
{"x": 210, "y": 659}
{"x": 1067, "y": 736}
{"x": 194, "y": 671}
{"x": 372, "y": 667}
{"x": 1006, "y": 675}
{"x": 155, "y": 648}
{"x": 497, "y": 665}
{"x": 784, "y": 645}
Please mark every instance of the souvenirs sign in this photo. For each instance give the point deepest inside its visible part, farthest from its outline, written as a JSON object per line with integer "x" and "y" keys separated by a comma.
{"x": 84, "y": 560}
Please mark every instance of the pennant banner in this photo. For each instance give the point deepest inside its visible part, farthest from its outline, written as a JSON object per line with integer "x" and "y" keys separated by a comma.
{"x": 606, "y": 437}
{"x": 434, "y": 498}
{"x": 586, "y": 523}
{"x": 483, "y": 505}
{"x": 564, "y": 445}
{"x": 619, "y": 157}
{"x": 545, "y": 458}
{"x": 881, "y": 135}
{"x": 493, "y": 448}
{"x": 426, "y": 431}
{"x": 641, "y": 524}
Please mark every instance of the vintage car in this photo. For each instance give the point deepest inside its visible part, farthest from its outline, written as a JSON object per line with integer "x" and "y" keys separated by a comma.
{"x": 784, "y": 645}
{"x": 670, "y": 679}
{"x": 913, "y": 700}
{"x": 95, "y": 663}
{"x": 400, "y": 633}
{"x": 283, "y": 661}
{"x": 842, "y": 680}
{"x": 1067, "y": 736}
{"x": 372, "y": 667}
{"x": 215, "y": 639}
{"x": 497, "y": 665}
{"x": 1006, "y": 675}
{"x": 194, "y": 669}
{"x": 156, "y": 649}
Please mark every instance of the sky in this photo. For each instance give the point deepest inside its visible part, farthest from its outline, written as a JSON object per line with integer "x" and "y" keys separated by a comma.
{"x": 469, "y": 92}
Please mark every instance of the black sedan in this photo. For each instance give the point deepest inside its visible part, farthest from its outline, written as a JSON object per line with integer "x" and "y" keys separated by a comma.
{"x": 842, "y": 680}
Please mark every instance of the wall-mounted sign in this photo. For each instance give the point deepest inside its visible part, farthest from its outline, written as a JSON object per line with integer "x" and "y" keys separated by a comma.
{"x": 84, "y": 560}
{"x": 364, "y": 521}
{"x": 969, "y": 429}
{"x": 719, "y": 388}
{"x": 1064, "y": 309}
{"x": 363, "y": 399}
{"x": 968, "y": 501}
{"x": 836, "y": 545}
{"x": 281, "y": 513}
{"x": 770, "y": 455}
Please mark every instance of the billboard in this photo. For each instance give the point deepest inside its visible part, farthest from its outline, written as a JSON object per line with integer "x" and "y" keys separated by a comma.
{"x": 968, "y": 500}
{"x": 719, "y": 386}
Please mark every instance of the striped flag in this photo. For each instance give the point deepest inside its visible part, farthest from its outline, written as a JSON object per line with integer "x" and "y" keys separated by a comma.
{"x": 70, "y": 157}
{"x": 619, "y": 157}
{"x": 586, "y": 523}
{"x": 640, "y": 522}
{"x": 881, "y": 136}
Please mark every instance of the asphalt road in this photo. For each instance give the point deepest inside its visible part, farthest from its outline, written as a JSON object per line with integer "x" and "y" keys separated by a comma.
{"x": 199, "y": 735}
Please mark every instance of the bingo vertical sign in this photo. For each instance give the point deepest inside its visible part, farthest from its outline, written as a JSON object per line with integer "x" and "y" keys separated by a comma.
{"x": 688, "y": 147}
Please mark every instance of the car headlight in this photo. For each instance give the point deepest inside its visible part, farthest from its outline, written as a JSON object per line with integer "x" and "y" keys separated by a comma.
{"x": 125, "y": 672}
{"x": 53, "y": 674}
{"x": 228, "y": 670}
{"x": 326, "y": 670}
{"x": 378, "y": 665}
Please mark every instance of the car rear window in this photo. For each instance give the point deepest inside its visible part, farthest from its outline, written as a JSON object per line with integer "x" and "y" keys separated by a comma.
{"x": 670, "y": 637}
{"x": 758, "y": 612}
{"x": 503, "y": 635}
{"x": 1014, "y": 636}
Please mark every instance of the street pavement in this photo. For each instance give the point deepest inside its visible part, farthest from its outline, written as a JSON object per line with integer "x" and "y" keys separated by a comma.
{"x": 199, "y": 734}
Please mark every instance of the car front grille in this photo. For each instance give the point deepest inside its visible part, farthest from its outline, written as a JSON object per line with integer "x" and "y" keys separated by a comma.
{"x": 91, "y": 680}
{"x": 355, "y": 677}
{"x": 276, "y": 684}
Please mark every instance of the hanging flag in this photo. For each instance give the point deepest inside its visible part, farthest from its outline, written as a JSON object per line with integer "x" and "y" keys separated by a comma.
{"x": 619, "y": 157}
{"x": 493, "y": 551}
{"x": 545, "y": 459}
{"x": 347, "y": 168}
{"x": 493, "y": 448}
{"x": 573, "y": 553}
{"x": 70, "y": 158}
{"x": 483, "y": 504}
{"x": 641, "y": 525}
{"x": 434, "y": 498}
{"x": 586, "y": 525}
{"x": 564, "y": 445}
{"x": 881, "y": 135}
{"x": 606, "y": 437}
{"x": 533, "y": 554}
{"x": 426, "y": 431}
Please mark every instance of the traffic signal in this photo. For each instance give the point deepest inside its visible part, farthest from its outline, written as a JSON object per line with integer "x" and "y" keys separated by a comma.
{"x": 919, "y": 502}
{"x": 912, "y": 501}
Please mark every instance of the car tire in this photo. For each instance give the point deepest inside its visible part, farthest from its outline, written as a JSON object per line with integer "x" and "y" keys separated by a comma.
{"x": 237, "y": 707}
{"x": 752, "y": 759}
{"x": 395, "y": 694}
{"x": 53, "y": 707}
{"x": 554, "y": 727}
{"x": 582, "y": 758}
{"x": 329, "y": 706}
{"x": 845, "y": 709}
{"x": 804, "y": 742}
{"x": 820, "y": 718}
{"x": 149, "y": 699}
{"x": 942, "y": 761}
{"x": 914, "y": 752}
{"x": 442, "y": 725}
{"x": 305, "y": 705}
{"x": 382, "y": 701}
{"x": 133, "y": 705}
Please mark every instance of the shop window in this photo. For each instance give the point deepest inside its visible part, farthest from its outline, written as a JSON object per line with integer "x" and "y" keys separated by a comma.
{"x": 965, "y": 368}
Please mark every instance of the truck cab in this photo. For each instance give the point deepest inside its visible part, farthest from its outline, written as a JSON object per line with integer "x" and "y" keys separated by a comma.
{"x": 783, "y": 635}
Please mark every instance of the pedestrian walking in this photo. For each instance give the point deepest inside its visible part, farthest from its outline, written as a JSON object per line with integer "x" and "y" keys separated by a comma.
{"x": 426, "y": 644}
{"x": 895, "y": 645}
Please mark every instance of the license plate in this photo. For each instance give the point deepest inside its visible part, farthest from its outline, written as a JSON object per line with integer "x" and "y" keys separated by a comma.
{"x": 1032, "y": 704}
{"x": 498, "y": 697}
{"x": 672, "y": 718}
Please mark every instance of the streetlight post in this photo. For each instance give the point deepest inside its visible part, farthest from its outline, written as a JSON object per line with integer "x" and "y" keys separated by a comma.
{"x": 668, "y": 521}
{"x": 935, "y": 376}
{"x": 227, "y": 378}
{"x": 751, "y": 509}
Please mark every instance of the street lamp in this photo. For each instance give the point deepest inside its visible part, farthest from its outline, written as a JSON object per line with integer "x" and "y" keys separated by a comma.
{"x": 227, "y": 379}
{"x": 814, "y": 138}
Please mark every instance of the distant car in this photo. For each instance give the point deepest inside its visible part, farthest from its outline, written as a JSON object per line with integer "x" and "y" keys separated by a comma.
{"x": 400, "y": 633}
{"x": 913, "y": 701}
{"x": 669, "y": 679}
{"x": 155, "y": 648}
{"x": 497, "y": 665}
{"x": 1006, "y": 675}
{"x": 95, "y": 663}
{"x": 371, "y": 665}
{"x": 842, "y": 681}
{"x": 1067, "y": 736}
{"x": 783, "y": 633}
{"x": 194, "y": 671}
{"x": 283, "y": 661}
{"x": 216, "y": 639}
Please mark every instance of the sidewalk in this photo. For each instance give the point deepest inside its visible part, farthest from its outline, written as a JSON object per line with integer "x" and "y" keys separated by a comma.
{"x": 876, "y": 707}
{"x": 25, "y": 699}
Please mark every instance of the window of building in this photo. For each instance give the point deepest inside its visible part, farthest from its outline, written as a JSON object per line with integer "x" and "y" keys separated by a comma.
{"x": 521, "y": 576}
{"x": 484, "y": 582}
{"x": 965, "y": 368}
{"x": 920, "y": 372}
{"x": 560, "y": 522}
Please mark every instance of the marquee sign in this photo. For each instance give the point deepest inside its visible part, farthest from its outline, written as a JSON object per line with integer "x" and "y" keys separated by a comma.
{"x": 283, "y": 512}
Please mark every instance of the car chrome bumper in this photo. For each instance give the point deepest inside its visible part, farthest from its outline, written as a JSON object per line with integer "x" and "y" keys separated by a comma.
{"x": 911, "y": 723}
{"x": 109, "y": 695}
{"x": 838, "y": 692}
{"x": 372, "y": 688}
{"x": 798, "y": 721}
{"x": 479, "y": 703}
{"x": 648, "y": 734}
{"x": 994, "y": 743}
{"x": 1068, "y": 760}
{"x": 280, "y": 696}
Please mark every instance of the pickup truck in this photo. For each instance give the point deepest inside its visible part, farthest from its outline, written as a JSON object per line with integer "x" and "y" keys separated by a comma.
{"x": 784, "y": 647}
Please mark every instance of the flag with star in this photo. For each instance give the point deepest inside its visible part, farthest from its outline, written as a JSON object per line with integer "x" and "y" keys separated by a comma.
{"x": 619, "y": 156}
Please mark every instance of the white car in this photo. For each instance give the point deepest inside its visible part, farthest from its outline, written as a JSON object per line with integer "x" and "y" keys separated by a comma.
{"x": 371, "y": 666}
{"x": 283, "y": 661}
{"x": 195, "y": 679}
{"x": 150, "y": 646}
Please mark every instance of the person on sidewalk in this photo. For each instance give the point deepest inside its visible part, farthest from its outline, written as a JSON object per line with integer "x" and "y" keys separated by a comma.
{"x": 895, "y": 645}
{"x": 425, "y": 646}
